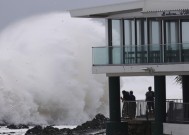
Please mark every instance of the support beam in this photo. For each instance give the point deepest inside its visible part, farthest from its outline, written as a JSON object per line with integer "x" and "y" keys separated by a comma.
{"x": 114, "y": 126}
{"x": 185, "y": 94}
{"x": 160, "y": 103}
{"x": 114, "y": 99}
{"x": 185, "y": 88}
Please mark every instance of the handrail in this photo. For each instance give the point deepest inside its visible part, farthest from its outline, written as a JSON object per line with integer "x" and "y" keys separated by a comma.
{"x": 133, "y": 45}
{"x": 141, "y": 110}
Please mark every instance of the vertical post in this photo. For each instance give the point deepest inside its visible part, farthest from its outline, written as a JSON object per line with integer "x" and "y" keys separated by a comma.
{"x": 114, "y": 99}
{"x": 160, "y": 103}
{"x": 114, "y": 126}
{"x": 185, "y": 88}
{"x": 185, "y": 93}
{"x": 109, "y": 36}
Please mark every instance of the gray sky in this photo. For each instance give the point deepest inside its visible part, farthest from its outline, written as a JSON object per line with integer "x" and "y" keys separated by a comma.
{"x": 13, "y": 10}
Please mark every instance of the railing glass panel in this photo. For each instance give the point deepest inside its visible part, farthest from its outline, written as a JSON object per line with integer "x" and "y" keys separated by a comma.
{"x": 116, "y": 55}
{"x": 141, "y": 54}
{"x": 172, "y": 52}
{"x": 177, "y": 112}
{"x": 100, "y": 55}
{"x": 185, "y": 52}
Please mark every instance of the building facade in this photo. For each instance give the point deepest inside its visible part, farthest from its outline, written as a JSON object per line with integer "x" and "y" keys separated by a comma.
{"x": 144, "y": 38}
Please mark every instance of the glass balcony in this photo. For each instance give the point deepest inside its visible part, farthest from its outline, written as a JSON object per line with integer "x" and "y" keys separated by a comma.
{"x": 141, "y": 54}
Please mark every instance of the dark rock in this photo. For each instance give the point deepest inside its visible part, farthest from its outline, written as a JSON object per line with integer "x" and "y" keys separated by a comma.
{"x": 95, "y": 124}
{"x": 37, "y": 130}
{"x": 21, "y": 126}
{"x": 66, "y": 131}
{"x": 50, "y": 131}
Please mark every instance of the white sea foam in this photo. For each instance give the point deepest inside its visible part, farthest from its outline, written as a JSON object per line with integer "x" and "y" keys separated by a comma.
{"x": 45, "y": 71}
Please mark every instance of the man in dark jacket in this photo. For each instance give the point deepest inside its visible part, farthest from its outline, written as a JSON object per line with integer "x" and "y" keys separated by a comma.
{"x": 132, "y": 105}
{"x": 150, "y": 99}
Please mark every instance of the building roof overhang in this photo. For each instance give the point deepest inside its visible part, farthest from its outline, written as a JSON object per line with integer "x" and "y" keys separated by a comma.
{"x": 165, "y": 5}
{"x": 107, "y": 10}
{"x": 137, "y": 6}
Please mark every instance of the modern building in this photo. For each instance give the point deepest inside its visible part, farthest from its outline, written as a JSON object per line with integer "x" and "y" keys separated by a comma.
{"x": 145, "y": 38}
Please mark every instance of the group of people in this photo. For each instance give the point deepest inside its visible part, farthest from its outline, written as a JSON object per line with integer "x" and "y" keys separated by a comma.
{"x": 129, "y": 103}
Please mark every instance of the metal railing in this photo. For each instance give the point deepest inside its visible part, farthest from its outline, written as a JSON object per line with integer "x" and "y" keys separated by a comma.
{"x": 137, "y": 109}
{"x": 141, "y": 54}
{"x": 176, "y": 110}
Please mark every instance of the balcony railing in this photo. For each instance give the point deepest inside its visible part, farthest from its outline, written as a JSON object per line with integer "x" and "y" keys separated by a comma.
{"x": 176, "y": 110}
{"x": 141, "y": 54}
{"x": 137, "y": 109}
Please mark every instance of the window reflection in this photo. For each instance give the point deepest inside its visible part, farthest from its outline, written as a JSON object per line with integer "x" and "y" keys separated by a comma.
{"x": 171, "y": 40}
{"x": 116, "y": 33}
{"x": 129, "y": 32}
{"x": 185, "y": 41}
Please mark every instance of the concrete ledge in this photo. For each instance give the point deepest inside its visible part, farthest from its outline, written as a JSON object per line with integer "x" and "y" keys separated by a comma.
{"x": 175, "y": 129}
{"x": 143, "y": 70}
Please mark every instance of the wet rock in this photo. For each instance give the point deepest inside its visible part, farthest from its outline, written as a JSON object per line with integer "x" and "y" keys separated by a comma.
{"x": 20, "y": 126}
{"x": 37, "y": 130}
{"x": 66, "y": 131}
{"x": 50, "y": 131}
{"x": 97, "y": 123}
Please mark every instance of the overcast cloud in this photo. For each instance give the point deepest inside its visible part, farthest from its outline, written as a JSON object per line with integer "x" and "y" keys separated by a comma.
{"x": 13, "y": 10}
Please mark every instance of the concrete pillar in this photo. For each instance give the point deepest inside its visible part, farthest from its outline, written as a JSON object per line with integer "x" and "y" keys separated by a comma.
{"x": 185, "y": 93}
{"x": 114, "y": 126}
{"x": 160, "y": 103}
{"x": 185, "y": 88}
{"x": 114, "y": 99}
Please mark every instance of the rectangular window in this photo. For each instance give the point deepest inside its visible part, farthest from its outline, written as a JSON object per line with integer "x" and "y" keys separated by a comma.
{"x": 185, "y": 41}
{"x": 116, "y": 50}
{"x": 155, "y": 41}
{"x": 171, "y": 41}
{"x": 116, "y": 33}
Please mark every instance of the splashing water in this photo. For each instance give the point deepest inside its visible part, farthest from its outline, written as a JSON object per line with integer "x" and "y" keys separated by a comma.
{"x": 45, "y": 71}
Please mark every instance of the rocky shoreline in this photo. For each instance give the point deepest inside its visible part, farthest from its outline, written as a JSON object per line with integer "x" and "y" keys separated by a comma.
{"x": 94, "y": 127}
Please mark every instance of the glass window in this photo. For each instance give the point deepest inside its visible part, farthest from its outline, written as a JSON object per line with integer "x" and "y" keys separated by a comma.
{"x": 129, "y": 37}
{"x": 116, "y": 33}
{"x": 129, "y": 29}
{"x": 185, "y": 32}
{"x": 185, "y": 41}
{"x": 154, "y": 50}
{"x": 171, "y": 32}
{"x": 172, "y": 46}
{"x": 154, "y": 34}
{"x": 141, "y": 49}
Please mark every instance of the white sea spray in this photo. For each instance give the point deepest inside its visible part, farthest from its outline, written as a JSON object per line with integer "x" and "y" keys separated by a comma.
{"x": 45, "y": 70}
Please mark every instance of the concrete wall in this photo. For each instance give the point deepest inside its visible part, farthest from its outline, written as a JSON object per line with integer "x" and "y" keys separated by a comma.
{"x": 175, "y": 129}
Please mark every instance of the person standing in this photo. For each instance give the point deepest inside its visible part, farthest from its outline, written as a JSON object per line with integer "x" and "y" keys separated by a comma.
{"x": 132, "y": 105}
{"x": 150, "y": 100}
{"x": 125, "y": 99}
